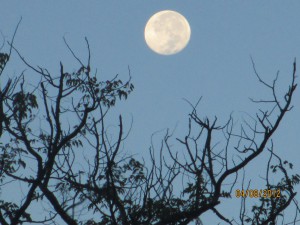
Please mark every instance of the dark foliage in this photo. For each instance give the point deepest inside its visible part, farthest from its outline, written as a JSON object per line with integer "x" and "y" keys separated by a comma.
{"x": 56, "y": 144}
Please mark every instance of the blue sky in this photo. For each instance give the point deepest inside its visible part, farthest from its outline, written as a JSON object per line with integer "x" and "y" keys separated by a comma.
{"x": 215, "y": 64}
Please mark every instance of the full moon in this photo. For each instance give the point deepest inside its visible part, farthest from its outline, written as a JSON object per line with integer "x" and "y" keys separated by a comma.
{"x": 167, "y": 32}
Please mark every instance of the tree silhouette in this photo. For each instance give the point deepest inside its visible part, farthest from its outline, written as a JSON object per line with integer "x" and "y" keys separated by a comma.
{"x": 57, "y": 145}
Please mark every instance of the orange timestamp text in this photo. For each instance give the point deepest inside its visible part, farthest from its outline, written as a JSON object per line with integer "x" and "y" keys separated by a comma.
{"x": 255, "y": 193}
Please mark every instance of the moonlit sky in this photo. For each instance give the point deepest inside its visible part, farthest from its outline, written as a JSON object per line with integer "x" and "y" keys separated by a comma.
{"x": 215, "y": 64}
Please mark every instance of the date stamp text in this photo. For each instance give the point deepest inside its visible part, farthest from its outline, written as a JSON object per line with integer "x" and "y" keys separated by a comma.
{"x": 255, "y": 193}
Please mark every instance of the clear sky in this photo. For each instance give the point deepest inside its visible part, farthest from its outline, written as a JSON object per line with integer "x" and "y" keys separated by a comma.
{"x": 215, "y": 64}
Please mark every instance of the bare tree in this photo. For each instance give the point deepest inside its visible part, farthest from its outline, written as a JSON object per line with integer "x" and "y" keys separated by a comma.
{"x": 57, "y": 144}
{"x": 40, "y": 158}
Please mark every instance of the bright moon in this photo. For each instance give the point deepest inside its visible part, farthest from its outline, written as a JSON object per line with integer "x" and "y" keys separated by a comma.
{"x": 167, "y": 32}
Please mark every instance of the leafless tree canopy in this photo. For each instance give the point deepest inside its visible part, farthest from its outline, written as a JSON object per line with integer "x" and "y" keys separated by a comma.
{"x": 57, "y": 147}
